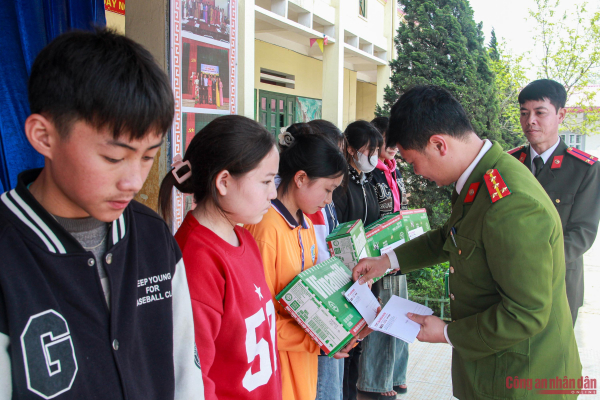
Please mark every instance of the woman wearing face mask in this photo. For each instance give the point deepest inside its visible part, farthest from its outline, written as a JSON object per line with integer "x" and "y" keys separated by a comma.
{"x": 357, "y": 200}
{"x": 387, "y": 178}
{"x": 384, "y": 359}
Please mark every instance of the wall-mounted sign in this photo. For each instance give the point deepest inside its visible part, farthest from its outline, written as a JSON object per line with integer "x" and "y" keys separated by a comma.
{"x": 203, "y": 73}
{"x": 116, "y": 6}
{"x": 209, "y": 69}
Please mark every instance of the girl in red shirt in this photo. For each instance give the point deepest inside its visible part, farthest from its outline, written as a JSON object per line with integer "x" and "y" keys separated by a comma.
{"x": 233, "y": 162}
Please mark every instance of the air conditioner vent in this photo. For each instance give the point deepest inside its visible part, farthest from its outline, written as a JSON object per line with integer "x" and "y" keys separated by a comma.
{"x": 277, "y": 78}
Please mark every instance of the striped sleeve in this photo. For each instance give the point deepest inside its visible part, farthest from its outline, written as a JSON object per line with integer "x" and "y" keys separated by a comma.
{"x": 5, "y": 364}
{"x": 5, "y": 367}
{"x": 188, "y": 376}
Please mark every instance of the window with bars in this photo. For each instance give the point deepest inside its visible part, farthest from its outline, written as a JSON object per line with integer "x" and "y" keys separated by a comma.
{"x": 573, "y": 140}
{"x": 362, "y": 8}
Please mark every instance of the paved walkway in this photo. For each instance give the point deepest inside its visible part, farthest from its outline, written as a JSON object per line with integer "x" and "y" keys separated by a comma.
{"x": 429, "y": 364}
{"x": 587, "y": 328}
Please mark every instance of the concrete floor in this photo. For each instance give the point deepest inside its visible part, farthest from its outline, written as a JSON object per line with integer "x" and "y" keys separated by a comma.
{"x": 429, "y": 364}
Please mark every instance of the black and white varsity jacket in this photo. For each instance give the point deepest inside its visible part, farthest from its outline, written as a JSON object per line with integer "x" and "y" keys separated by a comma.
{"x": 58, "y": 338}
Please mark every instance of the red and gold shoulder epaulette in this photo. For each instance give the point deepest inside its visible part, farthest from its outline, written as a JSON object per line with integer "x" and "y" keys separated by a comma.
{"x": 512, "y": 151}
{"x": 582, "y": 155}
{"x": 495, "y": 185}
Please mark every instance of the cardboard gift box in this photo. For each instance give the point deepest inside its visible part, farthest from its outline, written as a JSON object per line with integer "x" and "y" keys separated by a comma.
{"x": 387, "y": 232}
{"x": 395, "y": 229}
{"x": 415, "y": 222}
{"x": 349, "y": 243}
{"x": 315, "y": 299}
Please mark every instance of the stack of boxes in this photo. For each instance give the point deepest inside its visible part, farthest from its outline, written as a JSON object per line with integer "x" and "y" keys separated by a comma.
{"x": 393, "y": 230}
{"x": 315, "y": 299}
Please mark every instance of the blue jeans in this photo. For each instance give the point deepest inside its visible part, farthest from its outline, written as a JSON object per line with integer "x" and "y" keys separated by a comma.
{"x": 384, "y": 358}
{"x": 329, "y": 381}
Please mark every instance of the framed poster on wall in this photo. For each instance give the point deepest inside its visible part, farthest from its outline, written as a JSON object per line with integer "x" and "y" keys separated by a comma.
{"x": 203, "y": 66}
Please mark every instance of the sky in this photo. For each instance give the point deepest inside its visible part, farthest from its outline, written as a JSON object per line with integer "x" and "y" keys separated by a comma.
{"x": 509, "y": 19}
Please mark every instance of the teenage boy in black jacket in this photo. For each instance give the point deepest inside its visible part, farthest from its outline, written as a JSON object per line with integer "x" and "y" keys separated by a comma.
{"x": 94, "y": 302}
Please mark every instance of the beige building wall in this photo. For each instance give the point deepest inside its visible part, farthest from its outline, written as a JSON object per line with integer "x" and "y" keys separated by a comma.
{"x": 307, "y": 71}
{"x": 359, "y": 97}
{"x": 349, "y": 113}
{"x": 366, "y": 99}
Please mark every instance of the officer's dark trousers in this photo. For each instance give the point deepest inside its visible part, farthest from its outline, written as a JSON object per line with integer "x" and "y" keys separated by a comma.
{"x": 351, "y": 373}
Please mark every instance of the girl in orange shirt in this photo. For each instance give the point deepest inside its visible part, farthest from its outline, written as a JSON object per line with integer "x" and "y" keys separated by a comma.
{"x": 310, "y": 168}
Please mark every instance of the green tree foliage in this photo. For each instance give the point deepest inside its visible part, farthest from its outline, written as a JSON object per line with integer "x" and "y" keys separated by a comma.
{"x": 493, "y": 47}
{"x": 441, "y": 44}
{"x": 570, "y": 54}
{"x": 509, "y": 79}
{"x": 429, "y": 282}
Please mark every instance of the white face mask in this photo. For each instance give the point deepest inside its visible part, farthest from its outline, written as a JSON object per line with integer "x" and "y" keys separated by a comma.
{"x": 364, "y": 163}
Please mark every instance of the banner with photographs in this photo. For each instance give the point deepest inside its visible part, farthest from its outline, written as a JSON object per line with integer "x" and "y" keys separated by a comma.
{"x": 203, "y": 73}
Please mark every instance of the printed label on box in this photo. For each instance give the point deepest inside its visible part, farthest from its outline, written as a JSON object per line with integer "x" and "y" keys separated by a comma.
{"x": 315, "y": 299}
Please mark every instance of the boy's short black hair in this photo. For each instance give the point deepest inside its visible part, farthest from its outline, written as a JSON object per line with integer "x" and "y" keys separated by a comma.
{"x": 104, "y": 79}
{"x": 381, "y": 123}
{"x": 422, "y": 112}
{"x": 544, "y": 89}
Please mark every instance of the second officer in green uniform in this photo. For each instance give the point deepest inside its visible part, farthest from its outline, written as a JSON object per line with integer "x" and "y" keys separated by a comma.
{"x": 504, "y": 242}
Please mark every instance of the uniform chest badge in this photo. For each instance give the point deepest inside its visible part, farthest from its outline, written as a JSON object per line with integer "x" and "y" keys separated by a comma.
{"x": 523, "y": 157}
{"x": 557, "y": 162}
{"x": 496, "y": 185}
{"x": 472, "y": 192}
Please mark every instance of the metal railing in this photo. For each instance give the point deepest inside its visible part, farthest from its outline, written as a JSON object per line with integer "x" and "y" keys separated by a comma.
{"x": 425, "y": 301}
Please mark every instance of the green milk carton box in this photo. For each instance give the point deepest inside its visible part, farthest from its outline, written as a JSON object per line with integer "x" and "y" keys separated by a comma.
{"x": 395, "y": 229}
{"x": 348, "y": 243}
{"x": 315, "y": 299}
{"x": 385, "y": 233}
{"x": 415, "y": 222}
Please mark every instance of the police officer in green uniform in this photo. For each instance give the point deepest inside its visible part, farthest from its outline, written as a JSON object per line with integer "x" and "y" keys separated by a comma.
{"x": 570, "y": 177}
{"x": 504, "y": 241}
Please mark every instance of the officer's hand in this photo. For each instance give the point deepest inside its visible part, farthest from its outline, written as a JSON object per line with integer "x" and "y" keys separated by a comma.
{"x": 370, "y": 267}
{"x": 432, "y": 328}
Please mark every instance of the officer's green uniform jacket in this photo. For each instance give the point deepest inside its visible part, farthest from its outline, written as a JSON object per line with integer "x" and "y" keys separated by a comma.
{"x": 508, "y": 300}
{"x": 574, "y": 187}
